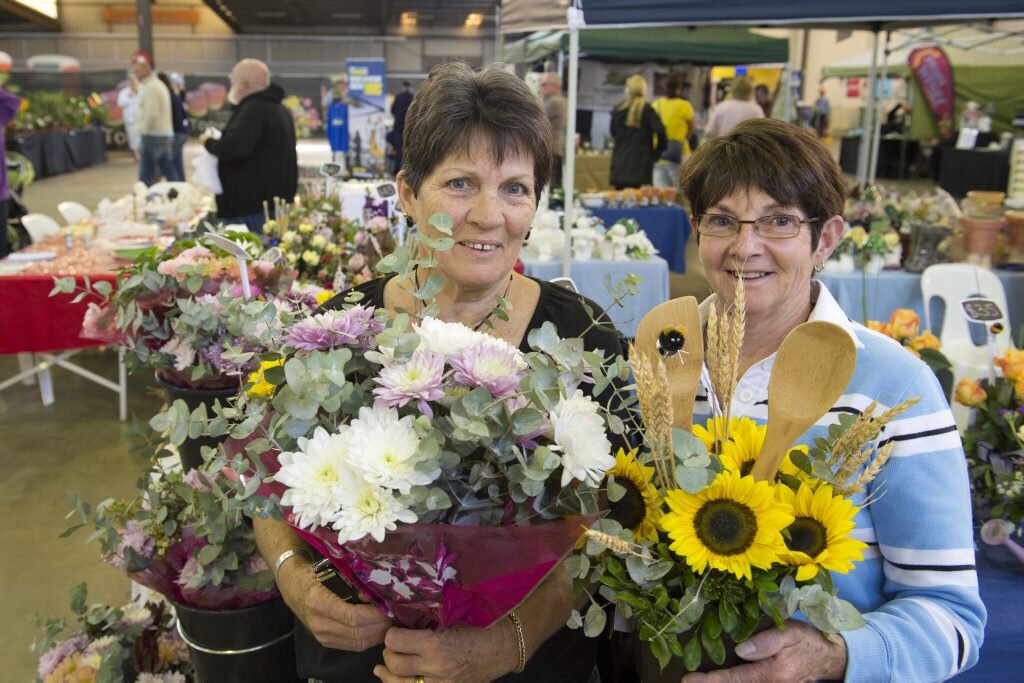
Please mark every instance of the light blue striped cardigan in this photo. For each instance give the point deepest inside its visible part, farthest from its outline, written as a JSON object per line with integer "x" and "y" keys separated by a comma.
{"x": 917, "y": 586}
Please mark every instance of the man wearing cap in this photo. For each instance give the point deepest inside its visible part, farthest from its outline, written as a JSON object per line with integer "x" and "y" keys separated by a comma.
{"x": 256, "y": 157}
{"x": 154, "y": 122}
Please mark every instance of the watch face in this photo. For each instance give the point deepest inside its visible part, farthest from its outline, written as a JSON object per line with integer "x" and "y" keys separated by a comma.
{"x": 330, "y": 169}
{"x": 386, "y": 190}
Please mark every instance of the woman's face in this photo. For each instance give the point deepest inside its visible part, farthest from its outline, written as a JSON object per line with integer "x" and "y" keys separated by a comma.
{"x": 491, "y": 205}
{"x": 776, "y": 272}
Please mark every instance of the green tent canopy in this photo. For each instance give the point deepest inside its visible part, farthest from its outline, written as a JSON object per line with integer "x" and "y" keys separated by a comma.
{"x": 704, "y": 45}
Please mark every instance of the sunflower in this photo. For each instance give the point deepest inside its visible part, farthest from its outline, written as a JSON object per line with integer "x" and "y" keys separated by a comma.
{"x": 741, "y": 449}
{"x": 733, "y": 524}
{"x": 820, "y": 534}
{"x": 640, "y": 508}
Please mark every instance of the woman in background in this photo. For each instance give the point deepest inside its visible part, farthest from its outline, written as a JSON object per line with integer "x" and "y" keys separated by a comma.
{"x": 735, "y": 110}
{"x": 639, "y": 137}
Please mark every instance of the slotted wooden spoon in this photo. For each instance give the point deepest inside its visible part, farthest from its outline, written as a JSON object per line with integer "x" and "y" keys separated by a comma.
{"x": 812, "y": 369}
{"x": 684, "y": 368}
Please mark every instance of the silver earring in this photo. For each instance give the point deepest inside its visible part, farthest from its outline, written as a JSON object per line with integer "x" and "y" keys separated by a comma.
{"x": 819, "y": 267}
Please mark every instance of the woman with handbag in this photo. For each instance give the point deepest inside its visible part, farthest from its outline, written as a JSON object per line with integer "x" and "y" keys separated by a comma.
{"x": 677, "y": 117}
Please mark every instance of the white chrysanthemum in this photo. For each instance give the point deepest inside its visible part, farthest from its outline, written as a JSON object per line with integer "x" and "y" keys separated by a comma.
{"x": 451, "y": 338}
{"x": 580, "y": 438}
{"x": 368, "y": 509}
{"x": 315, "y": 475}
{"x": 184, "y": 354}
{"x": 382, "y": 448}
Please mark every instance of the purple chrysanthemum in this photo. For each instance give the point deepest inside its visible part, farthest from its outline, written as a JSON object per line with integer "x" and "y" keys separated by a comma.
{"x": 331, "y": 329}
{"x": 420, "y": 378}
{"x": 49, "y": 661}
{"x": 487, "y": 365}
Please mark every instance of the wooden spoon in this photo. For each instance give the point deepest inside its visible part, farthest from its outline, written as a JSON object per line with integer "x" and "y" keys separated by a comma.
{"x": 683, "y": 368}
{"x": 812, "y": 369}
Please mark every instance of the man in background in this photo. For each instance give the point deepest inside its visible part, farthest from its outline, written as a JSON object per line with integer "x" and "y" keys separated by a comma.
{"x": 179, "y": 121}
{"x": 554, "y": 106}
{"x": 256, "y": 152}
{"x": 9, "y": 105}
{"x": 398, "y": 110}
{"x": 154, "y": 122}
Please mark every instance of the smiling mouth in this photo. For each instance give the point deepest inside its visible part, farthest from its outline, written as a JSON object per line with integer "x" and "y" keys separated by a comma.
{"x": 480, "y": 246}
{"x": 748, "y": 275}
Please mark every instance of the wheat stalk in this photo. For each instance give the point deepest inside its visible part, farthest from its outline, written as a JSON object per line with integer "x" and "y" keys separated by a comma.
{"x": 613, "y": 543}
{"x": 656, "y": 410}
{"x": 851, "y": 450}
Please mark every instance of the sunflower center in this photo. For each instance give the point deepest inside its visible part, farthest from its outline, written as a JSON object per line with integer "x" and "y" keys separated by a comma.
{"x": 631, "y": 509}
{"x": 746, "y": 467}
{"x": 807, "y": 535}
{"x": 726, "y": 527}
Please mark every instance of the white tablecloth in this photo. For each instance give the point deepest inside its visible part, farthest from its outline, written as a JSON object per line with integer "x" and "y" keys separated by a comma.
{"x": 589, "y": 277}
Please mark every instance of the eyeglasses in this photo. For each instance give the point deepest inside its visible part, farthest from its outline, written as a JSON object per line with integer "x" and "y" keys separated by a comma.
{"x": 778, "y": 226}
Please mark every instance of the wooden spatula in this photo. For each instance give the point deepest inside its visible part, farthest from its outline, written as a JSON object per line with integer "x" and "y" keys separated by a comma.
{"x": 812, "y": 369}
{"x": 684, "y": 367}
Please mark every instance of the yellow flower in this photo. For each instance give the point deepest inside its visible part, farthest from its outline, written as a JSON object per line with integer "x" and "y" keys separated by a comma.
{"x": 305, "y": 228}
{"x": 820, "y": 534}
{"x": 904, "y": 323}
{"x": 857, "y": 235}
{"x": 323, "y": 297}
{"x": 891, "y": 238}
{"x": 311, "y": 257}
{"x": 880, "y": 327}
{"x": 1012, "y": 364}
{"x": 925, "y": 340}
{"x": 640, "y": 508}
{"x": 969, "y": 393}
{"x": 733, "y": 524}
{"x": 741, "y": 449}
{"x": 261, "y": 388}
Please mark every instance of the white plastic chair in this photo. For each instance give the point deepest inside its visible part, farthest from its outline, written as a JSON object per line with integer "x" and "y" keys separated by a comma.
{"x": 954, "y": 282}
{"x": 74, "y": 213}
{"x": 39, "y": 226}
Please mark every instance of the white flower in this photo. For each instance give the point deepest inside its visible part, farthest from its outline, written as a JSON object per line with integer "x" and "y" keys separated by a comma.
{"x": 383, "y": 448}
{"x": 318, "y": 241}
{"x": 184, "y": 354}
{"x": 315, "y": 475}
{"x": 368, "y": 509}
{"x": 287, "y": 236}
{"x": 580, "y": 438}
{"x": 450, "y": 339}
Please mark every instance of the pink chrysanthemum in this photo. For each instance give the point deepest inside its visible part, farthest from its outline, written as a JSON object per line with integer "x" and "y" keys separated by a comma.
{"x": 331, "y": 329}
{"x": 490, "y": 366}
{"x": 419, "y": 378}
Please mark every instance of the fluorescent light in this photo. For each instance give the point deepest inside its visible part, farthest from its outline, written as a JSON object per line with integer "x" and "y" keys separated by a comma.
{"x": 409, "y": 19}
{"x": 45, "y": 7}
{"x": 474, "y": 19}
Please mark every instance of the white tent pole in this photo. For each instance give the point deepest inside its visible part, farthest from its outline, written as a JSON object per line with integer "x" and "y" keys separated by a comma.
{"x": 869, "y": 111}
{"x": 575, "y": 19}
{"x": 877, "y": 126}
{"x": 787, "y": 74}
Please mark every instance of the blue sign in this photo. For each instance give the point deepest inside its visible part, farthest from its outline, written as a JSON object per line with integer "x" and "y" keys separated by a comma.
{"x": 367, "y": 117}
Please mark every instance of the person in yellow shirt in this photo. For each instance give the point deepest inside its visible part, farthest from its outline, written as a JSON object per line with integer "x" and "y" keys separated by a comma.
{"x": 677, "y": 116}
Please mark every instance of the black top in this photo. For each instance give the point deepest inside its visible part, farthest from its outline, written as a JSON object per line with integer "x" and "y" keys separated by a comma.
{"x": 636, "y": 149}
{"x": 399, "y": 108}
{"x": 256, "y": 155}
{"x": 179, "y": 120}
{"x": 566, "y": 657}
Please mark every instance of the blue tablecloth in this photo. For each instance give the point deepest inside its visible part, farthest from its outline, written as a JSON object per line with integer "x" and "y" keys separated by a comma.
{"x": 589, "y": 277}
{"x": 892, "y": 289}
{"x": 1001, "y": 582}
{"x": 668, "y": 228}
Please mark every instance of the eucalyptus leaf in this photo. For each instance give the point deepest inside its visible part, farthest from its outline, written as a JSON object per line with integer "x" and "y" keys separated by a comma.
{"x": 594, "y": 621}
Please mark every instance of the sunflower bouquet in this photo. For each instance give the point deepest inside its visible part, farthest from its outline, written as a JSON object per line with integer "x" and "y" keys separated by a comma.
{"x": 700, "y": 555}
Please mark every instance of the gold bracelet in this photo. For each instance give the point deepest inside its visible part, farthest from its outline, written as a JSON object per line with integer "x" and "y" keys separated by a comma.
{"x": 521, "y": 639}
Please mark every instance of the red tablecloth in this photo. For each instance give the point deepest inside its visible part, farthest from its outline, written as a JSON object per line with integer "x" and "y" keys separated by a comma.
{"x": 31, "y": 320}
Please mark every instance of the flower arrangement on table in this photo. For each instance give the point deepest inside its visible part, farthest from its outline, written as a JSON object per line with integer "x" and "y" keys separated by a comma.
{"x": 629, "y": 241}
{"x": 698, "y": 553}
{"x": 904, "y": 326}
{"x": 442, "y": 471}
{"x": 994, "y": 441}
{"x": 183, "y": 535}
{"x": 327, "y": 249}
{"x": 182, "y": 312}
{"x": 306, "y": 117}
{"x": 134, "y": 642}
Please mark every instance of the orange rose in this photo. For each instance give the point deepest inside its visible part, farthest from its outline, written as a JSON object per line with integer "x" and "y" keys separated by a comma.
{"x": 879, "y": 327}
{"x": 904, "y": 323}
{"x": 1012, "y": 364}
{"x": 969, "y": 393}
{"x": 925, "y": 340}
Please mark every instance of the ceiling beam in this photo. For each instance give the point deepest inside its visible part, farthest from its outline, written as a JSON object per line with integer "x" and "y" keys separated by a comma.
{"x": 233, "y": 23}
{"x": 28, "y": 14}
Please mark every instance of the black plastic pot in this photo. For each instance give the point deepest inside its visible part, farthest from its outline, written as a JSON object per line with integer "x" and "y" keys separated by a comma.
{"x": 191, "y": 450}
{"x": 246, "y": 645}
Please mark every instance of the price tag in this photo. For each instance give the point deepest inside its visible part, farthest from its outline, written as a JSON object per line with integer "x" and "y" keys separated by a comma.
{"x": 981, "y": 310}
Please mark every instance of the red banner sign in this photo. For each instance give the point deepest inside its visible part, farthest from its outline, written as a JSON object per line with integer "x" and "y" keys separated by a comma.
{"x": 935, "y": 76}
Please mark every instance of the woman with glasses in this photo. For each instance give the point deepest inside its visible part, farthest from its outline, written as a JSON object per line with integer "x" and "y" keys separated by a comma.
{"x": 767, "y": 200}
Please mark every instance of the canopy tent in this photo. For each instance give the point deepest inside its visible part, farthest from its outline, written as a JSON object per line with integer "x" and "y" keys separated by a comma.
{"x": 705, "y": 45}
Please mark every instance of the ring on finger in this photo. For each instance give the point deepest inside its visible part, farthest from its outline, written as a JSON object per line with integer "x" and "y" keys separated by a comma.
{"x": 421, "y": 679}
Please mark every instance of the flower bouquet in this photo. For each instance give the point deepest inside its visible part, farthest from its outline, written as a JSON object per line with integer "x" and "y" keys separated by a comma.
{"x": 994, "y": 440}
{"x": 182, "y": 312}
{"x": 697, "y": 553}
{"x": 904, "y": 327}
{"x": 442, "y": 471}
{"x": 134, "y": 642}
{"x": 630, "y": 241}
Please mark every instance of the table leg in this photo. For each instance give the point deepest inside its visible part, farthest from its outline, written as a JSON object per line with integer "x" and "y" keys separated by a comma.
{"x": 25, "y": 363}
{"x": 45, "y": 383}
{"x": 122, "y": 383}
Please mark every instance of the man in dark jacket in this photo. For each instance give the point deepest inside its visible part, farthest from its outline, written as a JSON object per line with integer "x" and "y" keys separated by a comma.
{"x": 398, "y": 109}
{"x": 256, "y": 153}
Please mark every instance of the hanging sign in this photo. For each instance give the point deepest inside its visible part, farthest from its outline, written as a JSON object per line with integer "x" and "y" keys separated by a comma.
{"x": 853, "y": 87}
{"x": 935, "y": 76}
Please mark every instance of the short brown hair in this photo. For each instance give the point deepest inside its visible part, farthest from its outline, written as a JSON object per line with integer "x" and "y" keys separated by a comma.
{"x": 787, "y": 163}
{"x": 458, "y": 102}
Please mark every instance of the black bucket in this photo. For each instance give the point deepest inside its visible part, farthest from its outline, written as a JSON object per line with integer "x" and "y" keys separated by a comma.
{"x": 191, "y": 450}
{"x": 246, "y": 645}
